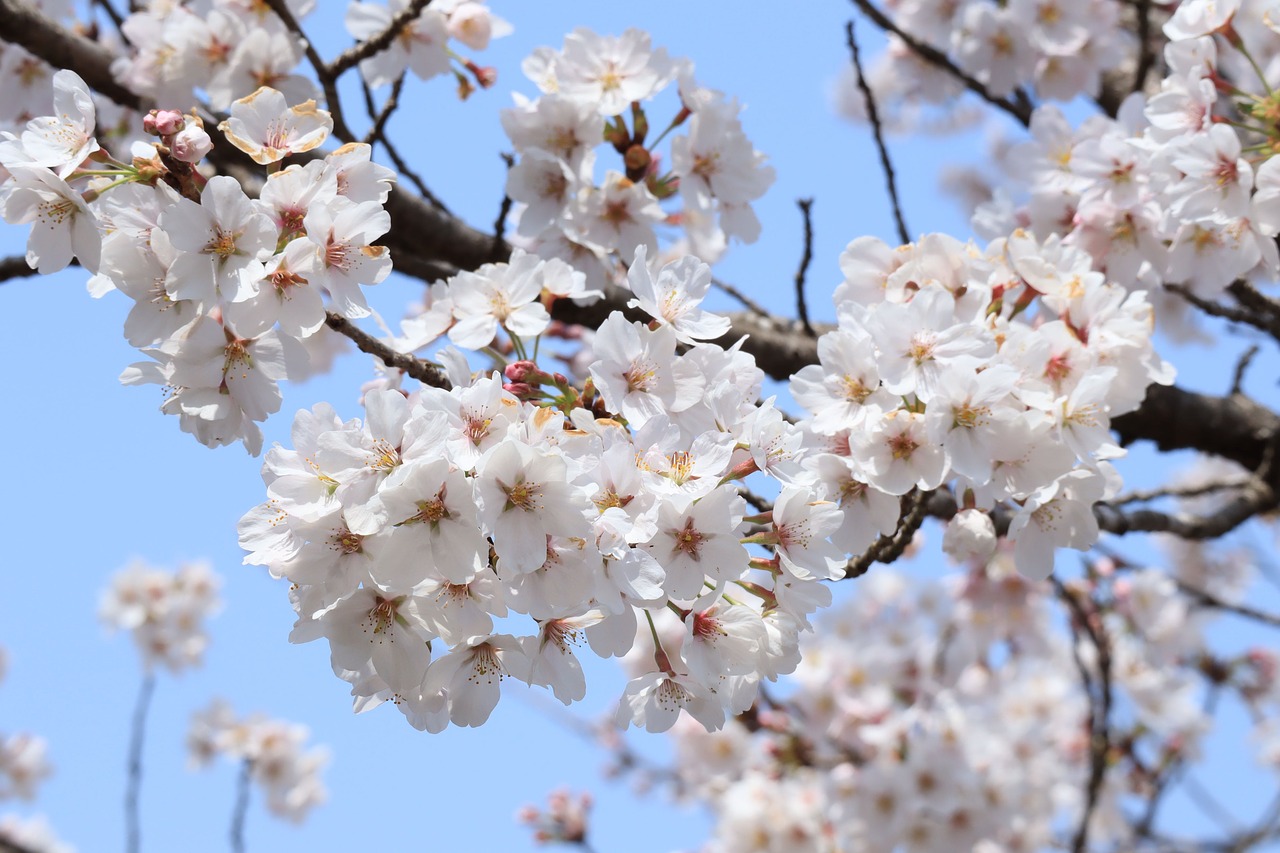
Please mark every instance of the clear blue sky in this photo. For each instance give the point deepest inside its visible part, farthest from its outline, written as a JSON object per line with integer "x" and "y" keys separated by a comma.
{"x": 96, "y": 476}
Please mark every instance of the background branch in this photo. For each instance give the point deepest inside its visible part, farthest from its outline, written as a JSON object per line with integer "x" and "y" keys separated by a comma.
{"x": 877, "y": 131}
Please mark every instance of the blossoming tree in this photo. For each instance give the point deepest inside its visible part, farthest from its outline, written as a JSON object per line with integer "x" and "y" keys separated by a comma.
{"x": 569, "y": 448}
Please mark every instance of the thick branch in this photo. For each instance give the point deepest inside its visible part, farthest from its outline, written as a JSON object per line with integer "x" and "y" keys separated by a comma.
{"x": 21, "y": 24}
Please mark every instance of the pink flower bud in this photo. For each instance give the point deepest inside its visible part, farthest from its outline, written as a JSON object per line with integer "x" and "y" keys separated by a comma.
{"x": 522, "y": 390}
{"x": 520, "y": 371}
{"x": 191, "y": 144}
{"x": 163, "y": 122}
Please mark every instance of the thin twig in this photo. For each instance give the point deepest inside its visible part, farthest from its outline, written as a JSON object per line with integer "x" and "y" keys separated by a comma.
{"x": 326, "y": 78}
{"x": 877, "y": 130}
{"x": 137, "y": 738}
{"x": 1253, "y": 316}
{"x": 1237, "y": 378}
{"x": 116, "y": 17}
{"x": 1099, "y": 708}
{"x": 380, "y": 117}
{"x": 1020, "y": 107}
{"x": 365, "y": 49}
{"x": 377, "y": 134}
{"x": 504, "y": 209}
{"x": 423, "y": 371}
{"x": 1141, "y": 496}
{"x": 1206, "y": 599}
{"x": 241, "y": 809}
{"x": 802, "y": 308}
{"x": 747, "y": 302}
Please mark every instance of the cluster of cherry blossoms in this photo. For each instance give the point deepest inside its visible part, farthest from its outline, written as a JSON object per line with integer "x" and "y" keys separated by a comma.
{"x": 165, "y": 611}
{"x": 587, "y": 88}
{"x": 589, "y": 509}
{"x": 996, "y": 371}
{"x": 406, "y": 535}
{"x": 951, "y": 716}
{"x": 1059, "y": 49}
{"x": 229, "y": 48}
{"x": 273, "y": 750}
{"x": 227, "y": 288}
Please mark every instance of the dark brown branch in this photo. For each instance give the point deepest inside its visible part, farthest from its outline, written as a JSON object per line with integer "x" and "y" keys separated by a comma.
{"x": 886, "y": 549}
{"x": 365, "y": 49}
{"x": 382, "y": 116}
{"x": 877, "y": 131}
{"x": 15, "y": 267}
{"x": 116, "y": 18}
{"x": 1020, "y": 107}
{"x": 802, "y": 308}
{"x": 23, "y": 25}
{"x": 1258, "y": 319}
{"x": 423, "y": 371}
{"x": 1255, "y": 498}
{"x": 1242, "y": 366}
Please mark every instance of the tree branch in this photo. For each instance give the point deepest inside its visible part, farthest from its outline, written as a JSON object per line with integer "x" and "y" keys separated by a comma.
{"x": 877, "y": 131}
{"x": 1100, "y": 700}
{"x": 23, "y": 25}
{"x": 326, "y": 78}
{"x": 423, "y": 371}
{"x": 802, "y": 308}
{"x": 886, "y": 549}
{"x": 365, "y": 49}
{"x": 1020, "y": 107}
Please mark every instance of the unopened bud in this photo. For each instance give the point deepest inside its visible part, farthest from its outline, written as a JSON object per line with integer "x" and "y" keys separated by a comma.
{"x": 191, "y": 144}
{"x": 486, "y": 75}
{"x": 163, "y": 122}
{"x": 520, "y": 371}
{"x": 522, "y": 390}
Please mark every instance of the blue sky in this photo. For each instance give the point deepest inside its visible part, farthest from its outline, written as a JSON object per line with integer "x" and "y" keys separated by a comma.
{"x": 96, "y": 476}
